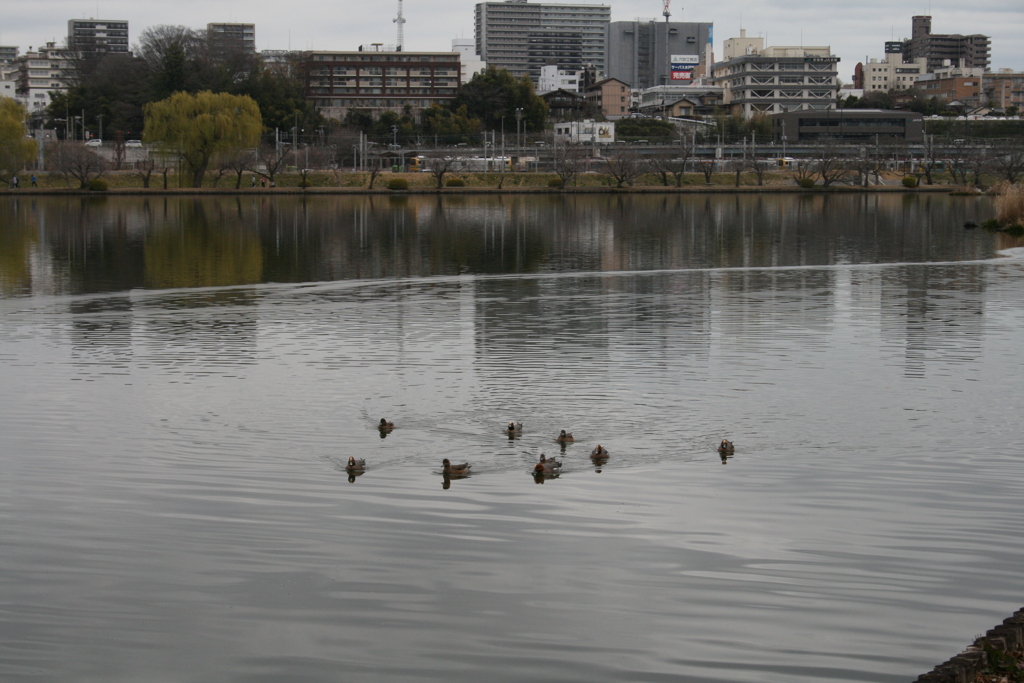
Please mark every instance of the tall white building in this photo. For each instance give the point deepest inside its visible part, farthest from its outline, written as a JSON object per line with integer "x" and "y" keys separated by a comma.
{"x": 891, "y": 73}
{"x": 40, "y": 73}
{"x": 471, "y": 62}
{"x": 522, "y": 37}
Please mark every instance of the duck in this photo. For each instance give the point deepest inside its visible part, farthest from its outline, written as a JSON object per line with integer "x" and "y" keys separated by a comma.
{"x": 514, "y": 428}
{"x": 726, "y": 447}
{"x": 384, "y": 424}
{"x": 355, "y": 465}
{"x": 547, "y": 465}
{"x": 454, "y": 470}
{"x": 565, "y": 437}
{"x": 599, "y": 452}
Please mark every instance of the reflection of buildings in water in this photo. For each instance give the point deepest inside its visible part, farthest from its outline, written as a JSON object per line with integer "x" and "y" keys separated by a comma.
{"x": 200, "y": 331}
{"x": 101, "y": 333}
{"x": 934, "y": 312}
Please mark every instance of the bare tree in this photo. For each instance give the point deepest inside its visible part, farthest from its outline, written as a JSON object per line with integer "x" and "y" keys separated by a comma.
{"x": 568, "y": 159}
{"x": 830, "y": 164}
{"x": 440, "y": 166}
{"x": 671, "y": 165}
{"x": 931, "y": 160}
{"x": 623, "y": 166}
{"x": 804, "y": 172}
{"x": 75, "y": 160}
{"x": 119, "y": 149}
{"x": 978, "y": 161}
{"x": 707, "y": 165}
{"x": 144, "y": 171}
{"x": 864, "y": 165}
{"x": 270, "y": 160}
{"x": 960, "y": 160}
{"x": 1008, "y": 162}
{"x": 237, "y": 161}
{"x": 759, "y": 168}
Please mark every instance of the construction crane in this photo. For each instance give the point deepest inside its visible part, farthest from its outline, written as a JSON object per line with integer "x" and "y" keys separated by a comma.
{"x": 400, "y": 20}
{"x": 666, "y": 12}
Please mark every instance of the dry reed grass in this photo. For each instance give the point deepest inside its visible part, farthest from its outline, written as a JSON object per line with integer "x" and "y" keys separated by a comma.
{"x": 1009, "y": 204}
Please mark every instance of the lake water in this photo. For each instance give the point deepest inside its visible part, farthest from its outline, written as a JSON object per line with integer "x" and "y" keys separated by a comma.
{"x": 182, "y": 381}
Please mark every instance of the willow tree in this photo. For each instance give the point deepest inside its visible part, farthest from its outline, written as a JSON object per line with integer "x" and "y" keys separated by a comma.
{"x": 16, "y": 149}
{"x": 200, "y": 126}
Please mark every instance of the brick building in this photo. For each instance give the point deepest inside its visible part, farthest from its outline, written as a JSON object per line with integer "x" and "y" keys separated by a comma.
{"x": 380, "y": 81}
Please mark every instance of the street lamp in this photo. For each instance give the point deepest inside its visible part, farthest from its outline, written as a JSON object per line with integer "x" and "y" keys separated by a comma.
{"x": 519, "y": 117}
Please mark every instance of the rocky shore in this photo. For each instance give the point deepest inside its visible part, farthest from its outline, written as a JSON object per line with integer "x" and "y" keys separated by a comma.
{"x": 996, "y": 657}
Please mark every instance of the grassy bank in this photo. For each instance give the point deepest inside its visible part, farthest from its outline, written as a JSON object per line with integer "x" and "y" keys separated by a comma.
{"x": 355, "y": 182}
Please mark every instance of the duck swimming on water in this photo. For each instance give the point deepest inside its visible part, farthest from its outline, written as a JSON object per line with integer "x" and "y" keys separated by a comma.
{"x": 514, "y": 428}
{"x": 565, "y": 437}
{"x": 726, "y": 447}
{"x": 355, "y": 465}
{"x": 599, "y": 452}
{"x": 384, "y": 424}
{"x": 454, "y": 470}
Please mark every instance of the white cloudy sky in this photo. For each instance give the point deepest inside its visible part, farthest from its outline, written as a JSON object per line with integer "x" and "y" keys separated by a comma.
{"x": 853, "y": 29}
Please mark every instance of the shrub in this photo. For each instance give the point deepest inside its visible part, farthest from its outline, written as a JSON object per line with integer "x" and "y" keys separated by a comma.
{"x": 455, "y": 182}
{"x": 398, "y": 184}
{"x": 97, "y": 185}
{"x": 909, "y": 181}
{"x": 806, "y": 182}
{"x": 555, "y": 182}
{"x": 305, "y": 183}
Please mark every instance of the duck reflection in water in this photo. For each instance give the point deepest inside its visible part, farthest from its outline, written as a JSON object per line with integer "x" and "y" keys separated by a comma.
{"x": 355, "y": 467}
{"x": 450, "y": 471}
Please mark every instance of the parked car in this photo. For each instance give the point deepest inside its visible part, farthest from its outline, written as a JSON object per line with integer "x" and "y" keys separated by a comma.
{"x": 133, "y": 143}
{"x": 95, "y": 142}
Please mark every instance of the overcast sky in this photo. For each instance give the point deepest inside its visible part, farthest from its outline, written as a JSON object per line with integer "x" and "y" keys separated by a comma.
{"x": 855, "y": 30}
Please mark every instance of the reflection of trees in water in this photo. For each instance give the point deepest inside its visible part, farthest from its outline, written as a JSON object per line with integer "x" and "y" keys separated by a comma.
{"x": 202, "y": 251}
{"x": 18, "y": 238}
{"x": 117, "y": 243}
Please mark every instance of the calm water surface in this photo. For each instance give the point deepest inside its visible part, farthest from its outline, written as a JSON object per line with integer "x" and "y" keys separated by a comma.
{"x": 182, "y": 381}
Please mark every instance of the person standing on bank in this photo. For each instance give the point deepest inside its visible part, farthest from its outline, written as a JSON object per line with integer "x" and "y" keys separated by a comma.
{"x": 34, "y": 180}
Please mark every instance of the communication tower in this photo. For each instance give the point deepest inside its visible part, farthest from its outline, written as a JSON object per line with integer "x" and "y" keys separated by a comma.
{"x": 666, "y": 12}
{"x": 400, "y": 21}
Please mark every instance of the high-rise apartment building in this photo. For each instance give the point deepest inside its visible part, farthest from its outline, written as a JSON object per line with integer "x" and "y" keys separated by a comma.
{"x": 771, "y": 80}
{"x": 964, "y": 51}
{"x": 642, "y": 53}
{"x": 40, "y": 74}
{"x": 522, "y": 37}
{"x": 97, "y": 37}
{"x": 8, "y": 53}
{"x": 232, "y": 38}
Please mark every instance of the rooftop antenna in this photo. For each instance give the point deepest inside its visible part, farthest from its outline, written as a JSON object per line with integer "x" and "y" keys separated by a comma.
{"x": 666, "y": 12}
{"x": 400, "y": 21}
